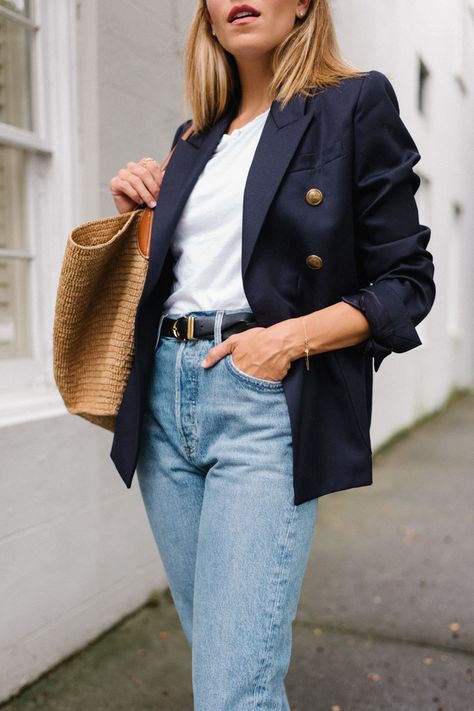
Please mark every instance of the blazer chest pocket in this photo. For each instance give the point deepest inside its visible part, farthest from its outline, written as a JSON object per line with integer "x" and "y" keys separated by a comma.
{"x": 313, "y": 160}
{"x": 302, "y": 161}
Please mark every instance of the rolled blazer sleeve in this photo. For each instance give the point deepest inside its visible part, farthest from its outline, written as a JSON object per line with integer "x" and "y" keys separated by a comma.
{"x": 390, "y": 243}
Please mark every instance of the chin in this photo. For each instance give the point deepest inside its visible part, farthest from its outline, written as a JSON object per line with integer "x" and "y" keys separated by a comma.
{"x": 246, "y": 50}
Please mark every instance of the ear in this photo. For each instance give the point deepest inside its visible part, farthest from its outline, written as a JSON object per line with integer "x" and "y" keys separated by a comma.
{"x": 302, "y": 7}
{"x": 208, "y": 17}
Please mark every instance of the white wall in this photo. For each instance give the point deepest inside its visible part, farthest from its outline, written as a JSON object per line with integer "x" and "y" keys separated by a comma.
{"x": 76, "y": 551}
{"x": 389, "y": 36}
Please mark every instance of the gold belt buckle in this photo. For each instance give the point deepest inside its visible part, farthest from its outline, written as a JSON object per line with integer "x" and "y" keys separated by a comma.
{"x": 189, "y": 329}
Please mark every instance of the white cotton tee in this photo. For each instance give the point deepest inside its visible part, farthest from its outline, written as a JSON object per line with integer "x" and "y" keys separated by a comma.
{"x": 207, "y": 242}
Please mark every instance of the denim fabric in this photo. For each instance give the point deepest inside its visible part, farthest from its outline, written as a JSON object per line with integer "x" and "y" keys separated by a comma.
{"x": 215, "y": 473}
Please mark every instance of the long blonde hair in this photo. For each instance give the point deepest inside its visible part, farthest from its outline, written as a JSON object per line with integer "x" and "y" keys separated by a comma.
{"x": 307, "y": 59}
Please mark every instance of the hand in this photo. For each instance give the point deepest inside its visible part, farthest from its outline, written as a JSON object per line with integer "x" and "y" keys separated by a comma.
{"x": 257, "y": 351}
{"x": 135, "y": 184}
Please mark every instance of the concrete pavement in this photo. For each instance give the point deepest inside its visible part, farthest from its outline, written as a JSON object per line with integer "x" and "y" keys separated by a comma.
{"x": 386, "y": 616}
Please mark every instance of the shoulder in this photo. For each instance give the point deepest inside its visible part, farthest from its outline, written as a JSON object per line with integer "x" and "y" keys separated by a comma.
{"x": 368, "y": 87}
{"x": 377, "y": 87}
{"x": 180, "y": 130}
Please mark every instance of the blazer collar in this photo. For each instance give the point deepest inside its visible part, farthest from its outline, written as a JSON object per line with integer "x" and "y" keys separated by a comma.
{"x": 281, "y": 133}
{"x": 295, "y": 109}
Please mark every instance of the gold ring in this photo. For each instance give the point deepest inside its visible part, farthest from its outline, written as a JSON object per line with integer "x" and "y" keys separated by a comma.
{"x": 146, "y": 160}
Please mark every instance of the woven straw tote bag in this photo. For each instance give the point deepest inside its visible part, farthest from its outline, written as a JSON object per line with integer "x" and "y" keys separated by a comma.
{"x": 102, "y": 276}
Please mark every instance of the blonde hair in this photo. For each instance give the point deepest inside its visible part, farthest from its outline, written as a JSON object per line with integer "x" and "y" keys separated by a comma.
{"x": 307, "y": 59}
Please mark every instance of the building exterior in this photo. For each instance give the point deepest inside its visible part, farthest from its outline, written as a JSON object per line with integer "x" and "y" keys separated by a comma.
{"x": 427, "y": 50}
{"x": 86, "y": 86}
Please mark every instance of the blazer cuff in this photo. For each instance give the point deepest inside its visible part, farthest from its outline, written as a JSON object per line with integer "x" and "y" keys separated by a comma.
{"x": 390, "y": 324}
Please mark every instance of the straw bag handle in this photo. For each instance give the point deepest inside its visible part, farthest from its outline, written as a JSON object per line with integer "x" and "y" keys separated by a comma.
{"x": 146, "y": 220}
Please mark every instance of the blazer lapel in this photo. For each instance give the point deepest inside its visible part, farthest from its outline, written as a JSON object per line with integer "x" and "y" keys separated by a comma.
{"x": 279, "y": 139}
{"x": 281, "y": 133}
{"x": 187, "y": 162}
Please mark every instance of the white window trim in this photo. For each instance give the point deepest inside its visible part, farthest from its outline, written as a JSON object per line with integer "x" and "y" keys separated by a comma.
{"x": 27, "y": 387}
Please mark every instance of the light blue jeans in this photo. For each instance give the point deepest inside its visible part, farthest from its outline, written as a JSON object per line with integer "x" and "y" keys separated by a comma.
{"x": 215, "y": 474}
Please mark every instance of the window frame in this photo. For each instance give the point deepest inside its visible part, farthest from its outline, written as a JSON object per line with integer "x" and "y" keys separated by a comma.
{"x": 27, "y": 387}
{"x": 424, "y": 89}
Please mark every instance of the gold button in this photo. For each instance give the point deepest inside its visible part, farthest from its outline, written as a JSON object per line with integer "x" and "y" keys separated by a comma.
{"x": 314, "y": 261}
{"x": 314, "y": 196}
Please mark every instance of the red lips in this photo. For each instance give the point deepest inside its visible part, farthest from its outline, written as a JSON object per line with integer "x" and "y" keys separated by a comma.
{"x": 241, "y": 8}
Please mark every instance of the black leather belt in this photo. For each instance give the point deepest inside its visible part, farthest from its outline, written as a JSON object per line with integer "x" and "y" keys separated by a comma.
{"x": 189, "y": 328}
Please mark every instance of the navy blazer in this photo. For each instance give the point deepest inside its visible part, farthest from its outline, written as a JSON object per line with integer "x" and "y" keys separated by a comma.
{"x": 349, "y": 142}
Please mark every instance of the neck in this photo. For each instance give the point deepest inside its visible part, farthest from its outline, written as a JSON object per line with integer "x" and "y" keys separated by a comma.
{"x": 255, "y": 77}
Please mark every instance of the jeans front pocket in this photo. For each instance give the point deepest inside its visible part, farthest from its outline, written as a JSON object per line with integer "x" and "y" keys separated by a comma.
{"x": 251, "y": 379}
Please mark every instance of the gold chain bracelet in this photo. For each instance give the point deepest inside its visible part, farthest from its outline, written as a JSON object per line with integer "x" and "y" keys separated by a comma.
{"x": 306, "y": 345}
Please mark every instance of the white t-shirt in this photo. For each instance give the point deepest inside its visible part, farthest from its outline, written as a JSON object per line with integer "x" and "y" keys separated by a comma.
{"x": 207, "y": 242}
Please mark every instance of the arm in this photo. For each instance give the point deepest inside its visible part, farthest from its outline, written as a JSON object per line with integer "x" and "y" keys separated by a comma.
{"x": 336, "y": 326}
{"x": 389, "y": 241}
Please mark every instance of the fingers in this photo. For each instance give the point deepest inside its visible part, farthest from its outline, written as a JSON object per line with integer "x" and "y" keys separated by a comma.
{"x": 145, "y": 179}
{"x": 154, "y": 169}
{"x": 230, "y": 344}
{"x": 139, "y": 182}
{"x": 120, "y": 187}
{"x": 217, "y": 352}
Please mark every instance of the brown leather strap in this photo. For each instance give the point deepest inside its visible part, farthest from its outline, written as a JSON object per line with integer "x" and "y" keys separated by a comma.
{"x": 146, "y": 220}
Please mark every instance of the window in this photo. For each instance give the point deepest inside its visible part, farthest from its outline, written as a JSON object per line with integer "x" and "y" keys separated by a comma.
{"x": 17, "y": 37}
{"x": 423, "y": 86}
{"x": 14, "y": 256}
{"x": 38, "y": 123}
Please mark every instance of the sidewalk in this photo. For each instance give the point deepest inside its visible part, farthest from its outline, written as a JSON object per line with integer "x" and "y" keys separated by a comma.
{"x": 386, "y": 617}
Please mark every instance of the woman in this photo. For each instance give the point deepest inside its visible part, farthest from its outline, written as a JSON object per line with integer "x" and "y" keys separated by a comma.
{"x": 286, "y": 254}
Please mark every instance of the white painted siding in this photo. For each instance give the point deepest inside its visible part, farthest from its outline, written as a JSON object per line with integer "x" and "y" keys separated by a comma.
{"x": 76, "y": 553}
{"x": 392, "y": 37}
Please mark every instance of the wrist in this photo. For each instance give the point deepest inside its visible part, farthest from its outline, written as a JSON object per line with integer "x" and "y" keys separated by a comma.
{"x": 293, "y": 337}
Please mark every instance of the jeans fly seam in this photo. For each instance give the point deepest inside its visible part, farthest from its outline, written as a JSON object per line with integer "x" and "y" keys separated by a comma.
{"x": 283, "y": 555}
{"x": 179, "y": 356}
